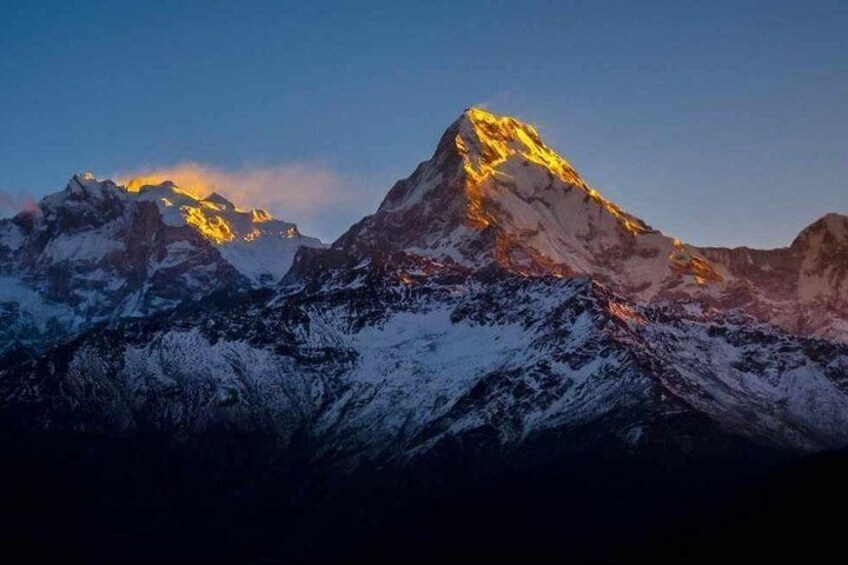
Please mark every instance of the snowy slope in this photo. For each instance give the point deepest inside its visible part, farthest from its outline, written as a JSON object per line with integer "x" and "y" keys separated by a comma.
{"x": 391, "y": 370}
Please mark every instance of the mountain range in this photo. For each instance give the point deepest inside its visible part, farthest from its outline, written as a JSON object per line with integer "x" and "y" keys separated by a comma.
{"x": 495, "y": 313}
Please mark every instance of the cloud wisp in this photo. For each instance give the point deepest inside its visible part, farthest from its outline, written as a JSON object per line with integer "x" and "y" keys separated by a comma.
{"x": 312, "y": 195}
{"x": 299, "y": 188}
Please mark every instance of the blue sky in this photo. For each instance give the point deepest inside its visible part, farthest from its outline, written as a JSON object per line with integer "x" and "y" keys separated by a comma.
{"x": 721, "y": 123}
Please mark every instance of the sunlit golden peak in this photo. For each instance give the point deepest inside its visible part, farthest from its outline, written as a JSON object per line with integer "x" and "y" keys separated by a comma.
{"x": 213, "y": 215}
{"x": 494, "y": 146}
{"x": 486, "y": 140}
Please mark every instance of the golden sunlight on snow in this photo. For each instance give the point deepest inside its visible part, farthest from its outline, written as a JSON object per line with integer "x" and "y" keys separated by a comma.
{"x": 211, "y": 227}
{"x": 496, "y": 139}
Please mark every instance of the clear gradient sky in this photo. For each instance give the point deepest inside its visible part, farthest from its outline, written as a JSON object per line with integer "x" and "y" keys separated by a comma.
{"x": 721, "y": 123}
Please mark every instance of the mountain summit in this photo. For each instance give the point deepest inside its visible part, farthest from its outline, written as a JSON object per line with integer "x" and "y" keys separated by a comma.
{"x": 497, "y": 148}
{"x": 494, "y": 193}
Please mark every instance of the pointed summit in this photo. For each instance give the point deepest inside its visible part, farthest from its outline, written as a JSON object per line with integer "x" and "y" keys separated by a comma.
{"x": 493, "y": 192}
{"x": 485, "y": 140}
{"x": 86, "y": 196}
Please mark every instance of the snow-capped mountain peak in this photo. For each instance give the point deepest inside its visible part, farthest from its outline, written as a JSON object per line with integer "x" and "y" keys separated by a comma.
{"x": 83, "y": 187}
{"x": 258, "y": 245}
{"x": 98, "y": 251}
{"x": 486, "y": 140}
{"x": 494, "y": 193}
{"x": 481, "y": 151}
{"x": 501, "y": 146}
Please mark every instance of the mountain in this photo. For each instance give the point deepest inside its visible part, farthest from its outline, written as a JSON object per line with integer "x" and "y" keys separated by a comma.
{"x": 96, "y": 252}
{"x": 495, "y": 321}
{"x": 494, "y": 193}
